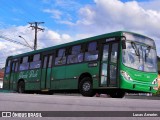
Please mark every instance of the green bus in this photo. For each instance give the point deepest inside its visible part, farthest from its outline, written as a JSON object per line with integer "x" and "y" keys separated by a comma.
{"x": 115, "y": 63}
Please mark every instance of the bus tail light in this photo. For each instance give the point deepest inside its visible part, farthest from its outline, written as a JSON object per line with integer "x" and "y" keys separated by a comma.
{"x": 125, "y": 75}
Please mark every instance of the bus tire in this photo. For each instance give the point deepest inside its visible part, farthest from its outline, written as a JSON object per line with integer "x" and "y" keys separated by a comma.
{"x": 117, "y": 94}
{"x": 21, "y": 87}
{"x": 85, "y": 87}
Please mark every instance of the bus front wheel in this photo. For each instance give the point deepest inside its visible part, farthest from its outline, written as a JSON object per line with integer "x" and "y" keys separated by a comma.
{"x": 85, "y": 87}
{"x": 21, "y": 87}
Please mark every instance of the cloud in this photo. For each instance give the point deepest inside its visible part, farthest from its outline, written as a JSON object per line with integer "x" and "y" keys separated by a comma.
{"x": 114, "y": 15}
{"x": 55, "y": 13}
{"x": 45, "y": 39}
{"x": 92, "y": 19}
{"x": 68, "y": 5}
{"x": 152, "y": 5}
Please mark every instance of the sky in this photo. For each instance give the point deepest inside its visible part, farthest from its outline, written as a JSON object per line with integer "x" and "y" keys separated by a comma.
{"x": 70, "y": 20}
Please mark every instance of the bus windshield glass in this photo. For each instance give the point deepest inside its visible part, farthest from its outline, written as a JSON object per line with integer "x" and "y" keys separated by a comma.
{"x": 140, "y": 56}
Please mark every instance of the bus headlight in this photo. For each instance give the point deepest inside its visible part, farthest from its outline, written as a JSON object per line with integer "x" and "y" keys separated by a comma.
{"x": 155, "y": 81}
{"x": 125, "y": 75}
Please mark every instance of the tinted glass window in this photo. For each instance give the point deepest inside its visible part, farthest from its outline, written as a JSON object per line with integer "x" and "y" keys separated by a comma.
{"x": 92, "y": 46}
{"x": 105, "y": 53}
{"x": 104, "y": 74}
{"x": 114, "y": 53}
{"x": 36, "y": 57}
{"x": 76, "y": 55}
{"x": 113, "y": 74}
{"x": 76, "y": 49}
{"x": 25, "y": 59}
{"x": 92, "y": 52}
{"x": 61, "y": 52}
{"x": 60, "y": 59}
{"x": 34, "y": 65}
{"x": 24, "y": 66}
{"x": 7, "y": 69}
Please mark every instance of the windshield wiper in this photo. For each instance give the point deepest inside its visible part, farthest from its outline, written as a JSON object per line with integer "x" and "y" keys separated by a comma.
{"x": 147, "y": 52}
{"x": 136, "y": 50}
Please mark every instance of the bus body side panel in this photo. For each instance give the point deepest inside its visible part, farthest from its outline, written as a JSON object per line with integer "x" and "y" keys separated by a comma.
{"x": 58, "y": 74}
{"x": 6, "y": 82}
{"x": 73, "y": 72}
{"x": 31, "y": 78}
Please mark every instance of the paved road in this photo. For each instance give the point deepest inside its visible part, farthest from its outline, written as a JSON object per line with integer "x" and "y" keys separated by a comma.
{"x": 36, "y": 102}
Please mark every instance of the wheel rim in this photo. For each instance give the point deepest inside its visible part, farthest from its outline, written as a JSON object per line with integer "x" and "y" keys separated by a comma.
{"x": 86, "y": 86}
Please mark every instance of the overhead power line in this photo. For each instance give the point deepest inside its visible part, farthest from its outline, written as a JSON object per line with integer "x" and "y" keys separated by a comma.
{"x": 13, "y": 41}
{"x": 34, "y": 26}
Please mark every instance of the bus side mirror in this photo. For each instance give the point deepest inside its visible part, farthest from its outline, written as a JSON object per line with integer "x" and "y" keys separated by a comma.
{"x": 123, "y": 44}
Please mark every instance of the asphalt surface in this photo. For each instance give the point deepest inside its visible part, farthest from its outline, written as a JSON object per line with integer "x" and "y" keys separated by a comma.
{"x": 36, "y": 102}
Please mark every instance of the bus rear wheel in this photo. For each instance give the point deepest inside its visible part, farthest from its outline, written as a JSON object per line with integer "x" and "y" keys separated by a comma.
{"x": 85, "y": 87}
{"x": 21, "y": 87}
{"x": 117, "y": 94}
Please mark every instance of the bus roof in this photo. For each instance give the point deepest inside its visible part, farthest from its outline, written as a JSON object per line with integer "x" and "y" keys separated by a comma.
{"x": 112, "y": 34}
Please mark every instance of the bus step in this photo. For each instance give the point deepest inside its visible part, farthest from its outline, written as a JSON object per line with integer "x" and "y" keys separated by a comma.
{"x": 45, "y": 90}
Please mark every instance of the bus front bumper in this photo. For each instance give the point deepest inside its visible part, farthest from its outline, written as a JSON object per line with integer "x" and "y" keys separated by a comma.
{"x": 139, "y": 87}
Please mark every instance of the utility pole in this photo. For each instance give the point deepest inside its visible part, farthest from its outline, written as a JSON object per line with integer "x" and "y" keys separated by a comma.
{"x": 34, "y": 26}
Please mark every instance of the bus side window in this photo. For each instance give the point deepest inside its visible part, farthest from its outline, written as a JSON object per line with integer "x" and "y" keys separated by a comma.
{"x": 92, "y": 52}
{"x": 60, "y": 57}
{"x": 7, "y": 70}
{"x": 25, "y": 64}
{"x": 76, "y": 55}
{"x": 35, "y": 62}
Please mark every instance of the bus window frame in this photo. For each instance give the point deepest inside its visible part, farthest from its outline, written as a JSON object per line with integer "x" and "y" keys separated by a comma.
{"x": 35, "y": 61}
{"x": 70, "y": 53}
{"x": 6, "y": 65}
{"x": 49, "y": 52}
{"x": 24, "y": 63}
{"x": 86, "y": 50}
{"x": 56, "y": 56}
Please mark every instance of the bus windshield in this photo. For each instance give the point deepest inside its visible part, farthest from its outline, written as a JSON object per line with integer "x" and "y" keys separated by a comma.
{"x": 140, "y": 56}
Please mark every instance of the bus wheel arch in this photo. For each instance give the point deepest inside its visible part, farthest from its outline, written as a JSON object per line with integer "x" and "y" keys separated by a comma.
{"x": 85, "y": 85}
{"x": 21, "y": 86}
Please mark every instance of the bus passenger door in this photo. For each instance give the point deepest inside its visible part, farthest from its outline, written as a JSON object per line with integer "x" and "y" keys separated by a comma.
{"x": 46, "y": 71}
{"x": 13, "y": 75}
{"x": 109, "y": 65}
